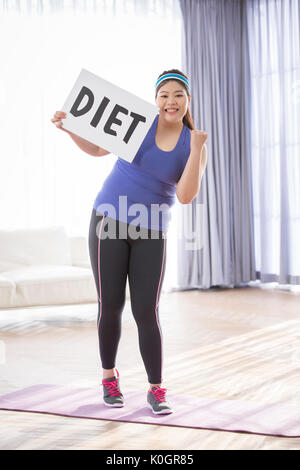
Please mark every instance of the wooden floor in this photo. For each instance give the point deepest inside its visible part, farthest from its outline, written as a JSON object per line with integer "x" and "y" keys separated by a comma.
{"x": 236, "y": 344}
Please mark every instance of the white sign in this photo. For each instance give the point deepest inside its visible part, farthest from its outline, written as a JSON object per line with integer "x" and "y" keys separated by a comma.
{"x": 107, "y": 115}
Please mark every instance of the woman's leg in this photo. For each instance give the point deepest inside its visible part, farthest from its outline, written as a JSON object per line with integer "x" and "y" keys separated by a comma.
{"x": 146, "y": 272}
{"x": 109, "y": 260}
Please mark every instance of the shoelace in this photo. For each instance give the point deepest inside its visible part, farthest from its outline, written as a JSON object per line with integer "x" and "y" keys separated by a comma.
{"x": 159, "y": 394}
{"x": 112, "y": 387}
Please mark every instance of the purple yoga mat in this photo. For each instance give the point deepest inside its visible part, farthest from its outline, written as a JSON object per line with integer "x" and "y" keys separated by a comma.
{"x": 275, "y": 419}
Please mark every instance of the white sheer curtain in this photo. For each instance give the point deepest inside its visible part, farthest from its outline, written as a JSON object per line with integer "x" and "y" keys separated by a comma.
{"x": 274, "y": 38}
{"x": 45, "y": 179}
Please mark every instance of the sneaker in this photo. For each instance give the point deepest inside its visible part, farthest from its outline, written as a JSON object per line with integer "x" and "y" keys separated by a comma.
{"x": 112, "y": 395}
{"x": 157, "y": 401}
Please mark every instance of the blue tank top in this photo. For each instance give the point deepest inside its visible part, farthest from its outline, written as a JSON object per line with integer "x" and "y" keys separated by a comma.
{"x": 143, "y": 191}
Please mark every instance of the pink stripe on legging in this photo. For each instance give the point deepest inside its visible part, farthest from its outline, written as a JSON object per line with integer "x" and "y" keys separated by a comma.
{"x": 99, "y": 276}
{"x": 156, "y": 306}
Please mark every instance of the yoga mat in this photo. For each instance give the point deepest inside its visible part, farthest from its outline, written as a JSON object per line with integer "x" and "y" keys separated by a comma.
{"x": 274, "y": 419}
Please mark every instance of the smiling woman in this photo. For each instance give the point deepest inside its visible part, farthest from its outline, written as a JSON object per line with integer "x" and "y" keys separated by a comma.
{"x": 173, "y": 99}
{"x": 123, "y": 244}
{"x": 174, "y": 93}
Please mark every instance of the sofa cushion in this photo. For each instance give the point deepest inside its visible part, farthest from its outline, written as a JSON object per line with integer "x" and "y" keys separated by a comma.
{"x": 7, "y": 291}
{"x": 42, "y": 246}
{"x": 50, "y": 285}
{"x": 79, "y": 251}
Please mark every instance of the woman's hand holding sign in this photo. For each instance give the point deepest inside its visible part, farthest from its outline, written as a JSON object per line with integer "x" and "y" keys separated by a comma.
{"x": 57, "y": 120}
{"x": 83, "y": 144}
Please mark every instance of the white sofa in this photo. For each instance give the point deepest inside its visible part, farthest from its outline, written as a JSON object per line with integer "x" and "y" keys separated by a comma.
{"x": 44, "y": 267}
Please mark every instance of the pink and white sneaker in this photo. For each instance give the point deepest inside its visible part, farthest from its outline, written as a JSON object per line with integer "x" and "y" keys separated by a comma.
{"x": 156, "y": 400}
{"x": 112, "y": 395}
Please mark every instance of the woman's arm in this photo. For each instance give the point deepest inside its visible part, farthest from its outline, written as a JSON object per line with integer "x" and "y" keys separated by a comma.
{"x": 83, "y": 144}
{"x": 88, "y": 147}
{"x": 189, "y": 184}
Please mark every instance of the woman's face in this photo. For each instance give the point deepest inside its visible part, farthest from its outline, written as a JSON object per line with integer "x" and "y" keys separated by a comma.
{"x": 172, "y": 95}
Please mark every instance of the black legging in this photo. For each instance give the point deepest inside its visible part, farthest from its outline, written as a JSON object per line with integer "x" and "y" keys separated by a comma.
{"x": 143, "y": 260}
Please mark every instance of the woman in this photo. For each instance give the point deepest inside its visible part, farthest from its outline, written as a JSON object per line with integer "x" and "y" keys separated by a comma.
{"x": 171, "y": 160}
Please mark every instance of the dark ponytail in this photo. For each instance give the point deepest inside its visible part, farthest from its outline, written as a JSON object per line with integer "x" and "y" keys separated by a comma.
{"x": 187, "y": 118}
